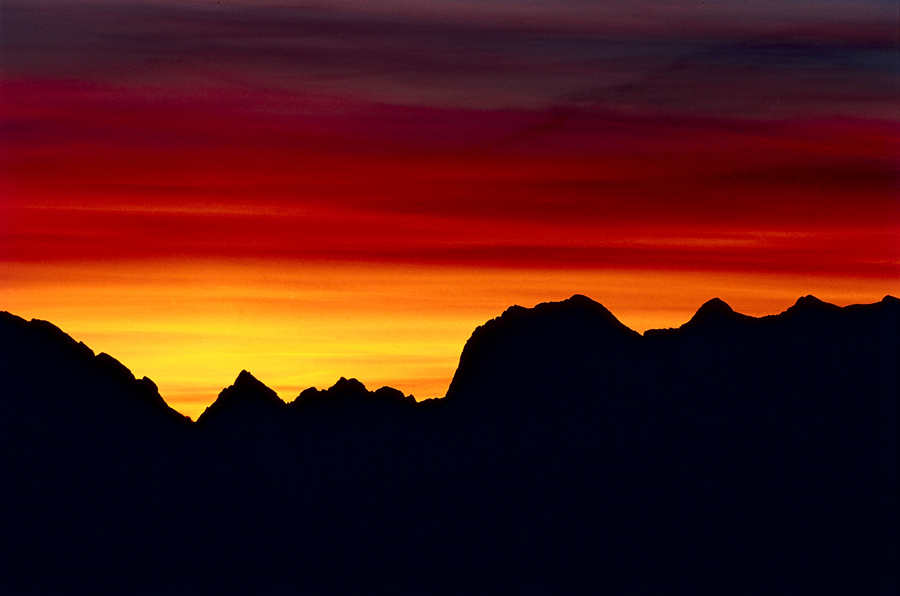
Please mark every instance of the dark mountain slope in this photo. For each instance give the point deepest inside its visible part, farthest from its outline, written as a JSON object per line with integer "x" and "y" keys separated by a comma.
{"x": 732, "y": 455}
{"x": 742, "y": 437}
{"x": 50, "y": 377}
{"x": 782, "y": 426}
{"x": 248, "y": 402}
{"x": 348, "y": 394}
{"x": 88, "y": 456}
{"x": 555, "y": 346}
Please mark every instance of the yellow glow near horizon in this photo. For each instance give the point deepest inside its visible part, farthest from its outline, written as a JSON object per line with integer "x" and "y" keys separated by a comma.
{"x": 192, "y": 325}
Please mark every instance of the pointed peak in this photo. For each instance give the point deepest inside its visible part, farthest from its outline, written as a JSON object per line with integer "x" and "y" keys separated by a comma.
{"x": 808, "y": 300}
{"x": 810, "y": 303}
{"x": 246, "y": 387}
{"x": 247, "y": 394}
{"x": 245, "y": 379}
{"x": 891, "y": 300}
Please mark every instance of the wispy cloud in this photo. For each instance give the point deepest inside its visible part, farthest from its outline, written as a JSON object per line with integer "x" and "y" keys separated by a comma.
{"x": 718, "y": 58}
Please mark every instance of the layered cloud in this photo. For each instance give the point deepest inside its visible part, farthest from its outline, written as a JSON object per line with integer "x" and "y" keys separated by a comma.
{"x": 95, "y": 171}
{"x": 650, "y": 155}
{"x": 765, "y": 59}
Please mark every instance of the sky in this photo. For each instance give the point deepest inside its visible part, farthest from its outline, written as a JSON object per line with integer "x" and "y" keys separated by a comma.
{"x": 310, "y": 190}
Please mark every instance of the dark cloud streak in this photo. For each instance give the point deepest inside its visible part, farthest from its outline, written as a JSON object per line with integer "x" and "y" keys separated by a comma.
{"x": 402, "y": 135}
{"x": 416, "y": 59}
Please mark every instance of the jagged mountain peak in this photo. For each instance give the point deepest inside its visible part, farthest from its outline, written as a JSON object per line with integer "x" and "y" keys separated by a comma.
{"x": 73, "y": 382}
{"x": 810, "y": 304}
{"x": 350, "y": 390}
{"x": 555, "y": 420}
{"x": 247, "y": 382}
{"x": 808, "y": 301}
{"x": 37, "y": 329}
{"x": 246, "y": 387}
{"x": 344, "y": 387}
{"x": 247, "y": 394}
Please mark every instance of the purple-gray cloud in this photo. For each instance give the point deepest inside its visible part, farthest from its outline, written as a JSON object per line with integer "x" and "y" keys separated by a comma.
{"x": 693, "y": 58}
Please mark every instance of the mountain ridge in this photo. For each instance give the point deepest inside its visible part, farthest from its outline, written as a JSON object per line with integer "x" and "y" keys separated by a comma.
{"x": 24, "y": 340}
{"x": 715, "y": 312}
{"x": 736, "y": 455}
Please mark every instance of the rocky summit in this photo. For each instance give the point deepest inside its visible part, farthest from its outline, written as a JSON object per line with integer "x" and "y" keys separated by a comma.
{"x": 734, "y": 455}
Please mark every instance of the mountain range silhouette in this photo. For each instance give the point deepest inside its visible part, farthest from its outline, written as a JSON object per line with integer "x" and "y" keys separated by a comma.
{"x": 732, "y": 455}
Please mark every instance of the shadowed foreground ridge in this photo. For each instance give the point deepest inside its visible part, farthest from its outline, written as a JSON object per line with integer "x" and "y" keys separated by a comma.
{"x": 734, "y": 455}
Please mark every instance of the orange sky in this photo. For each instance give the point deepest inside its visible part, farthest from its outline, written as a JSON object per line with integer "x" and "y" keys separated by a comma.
{"x": 309, "y": 193}
{"x": 192, "y": 326}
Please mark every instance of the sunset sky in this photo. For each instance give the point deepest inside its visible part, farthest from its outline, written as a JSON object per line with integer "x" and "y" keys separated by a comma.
{"x": 309, "y": 190}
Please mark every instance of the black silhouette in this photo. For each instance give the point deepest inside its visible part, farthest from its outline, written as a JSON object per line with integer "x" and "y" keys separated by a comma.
{"x": 733, "y": 455}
